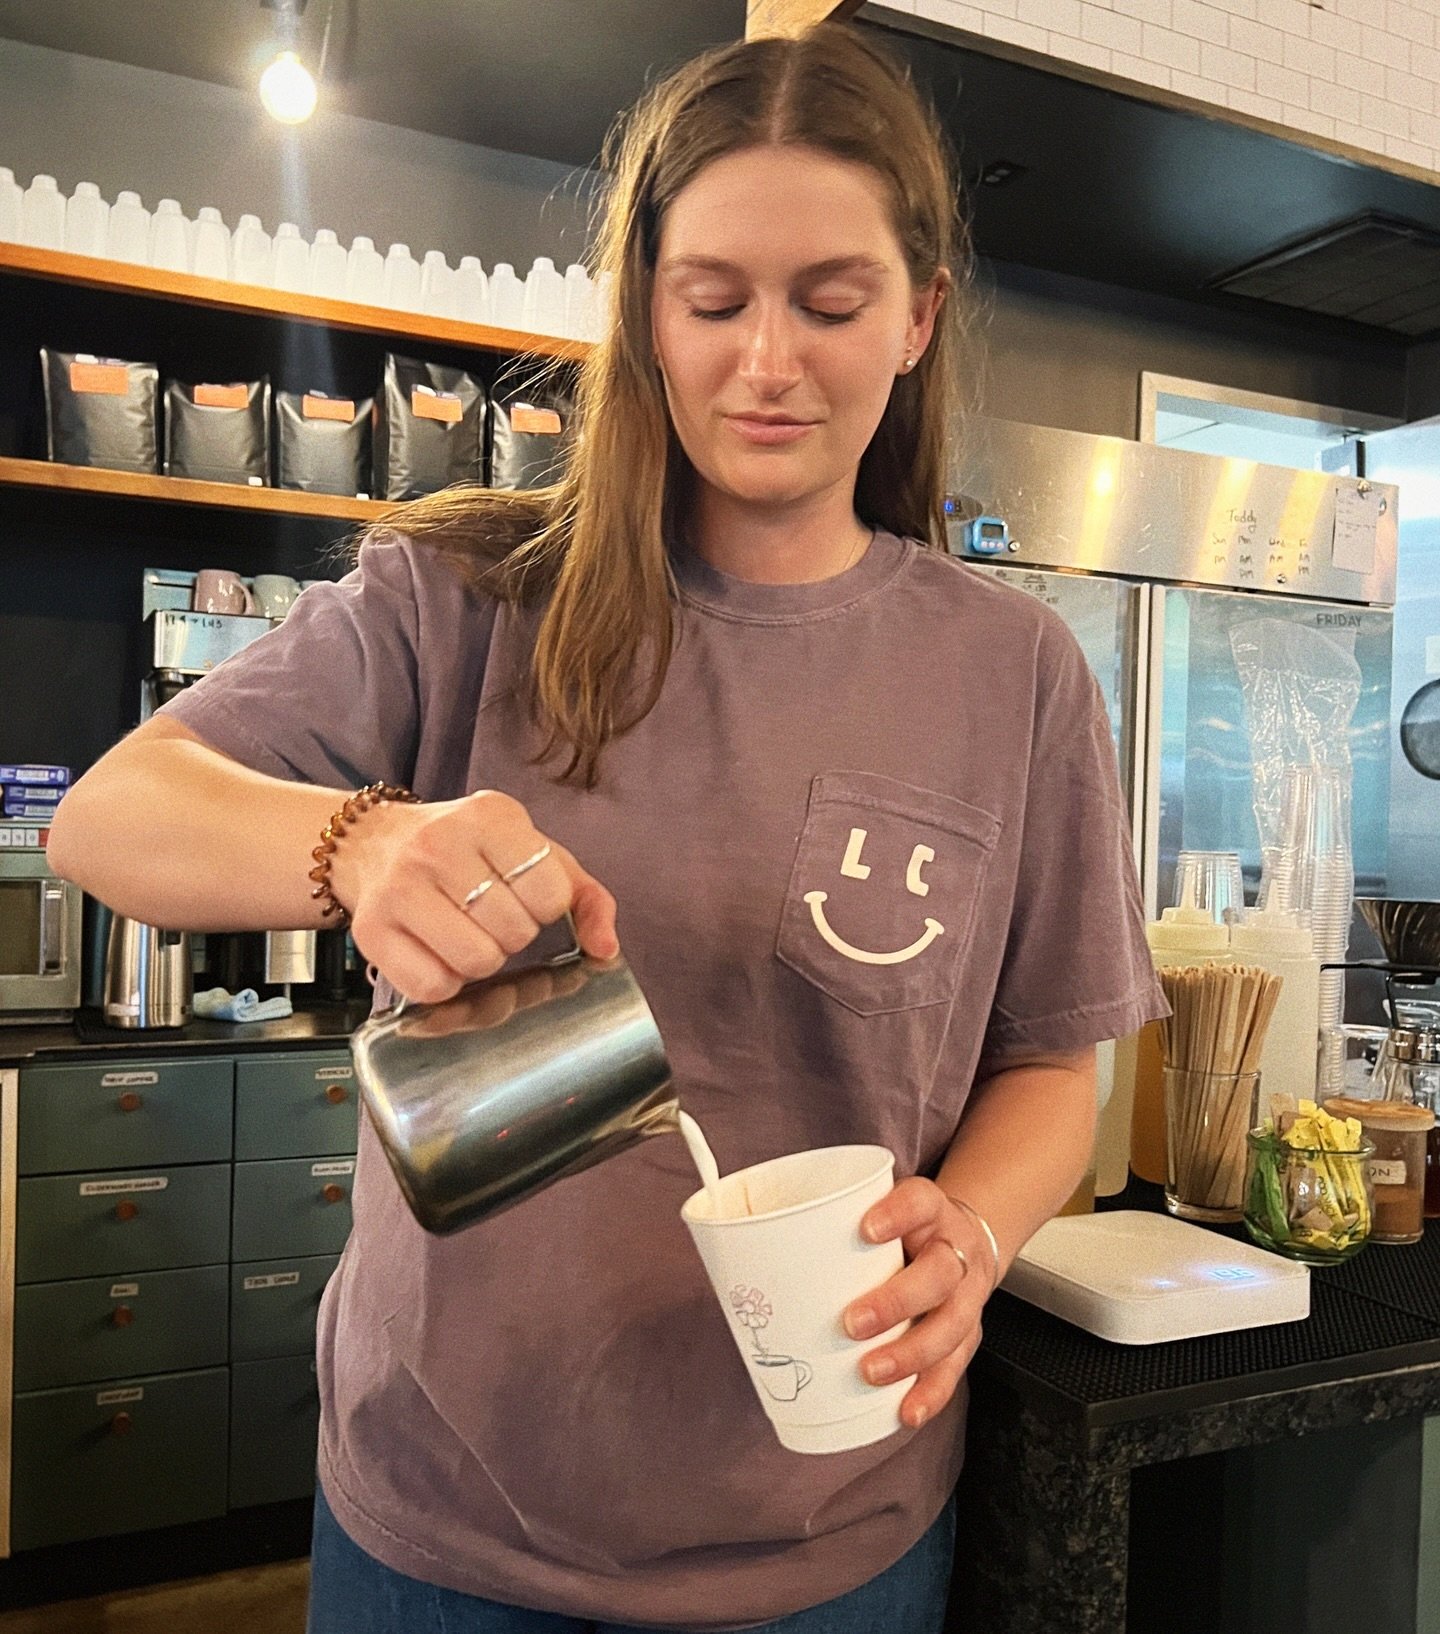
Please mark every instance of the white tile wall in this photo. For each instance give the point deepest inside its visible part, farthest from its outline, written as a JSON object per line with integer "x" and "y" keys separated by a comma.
{"x": 1364, "y": 72}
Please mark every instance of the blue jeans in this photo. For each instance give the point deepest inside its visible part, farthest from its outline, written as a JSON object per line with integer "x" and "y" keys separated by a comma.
{"x": 352, "y": 1593}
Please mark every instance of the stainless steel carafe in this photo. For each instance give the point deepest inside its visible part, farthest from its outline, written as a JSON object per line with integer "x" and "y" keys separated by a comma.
{"x": 516, "y": 1082}
{"x": 148, "y": 980}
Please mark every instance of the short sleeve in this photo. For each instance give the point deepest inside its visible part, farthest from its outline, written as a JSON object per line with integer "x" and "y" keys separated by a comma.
{"x": 332, "y": 695}
{"x": 1077, "y": 967}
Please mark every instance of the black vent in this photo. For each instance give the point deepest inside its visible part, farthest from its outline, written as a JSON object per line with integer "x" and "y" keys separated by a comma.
{"x": 1371, "y": 270}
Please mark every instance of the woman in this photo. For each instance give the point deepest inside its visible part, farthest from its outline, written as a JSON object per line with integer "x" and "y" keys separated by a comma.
{"x": 857, "y": 803}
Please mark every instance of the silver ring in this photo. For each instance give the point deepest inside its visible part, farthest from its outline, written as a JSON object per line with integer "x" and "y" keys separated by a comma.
{"x": 528, "y": 864}
{"x": 474, "y": 896}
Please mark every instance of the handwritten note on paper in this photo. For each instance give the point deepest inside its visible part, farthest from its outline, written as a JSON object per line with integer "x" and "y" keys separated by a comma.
{"x": 1357, "y": 521}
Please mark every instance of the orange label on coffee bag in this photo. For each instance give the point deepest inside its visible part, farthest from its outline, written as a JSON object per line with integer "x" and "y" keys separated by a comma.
{"x": 444, "y": 406}
{"x": 327, "y": 408}
{"x": 106, "y": 379}
{"x": 537, "y": 422}
{"x": 231, "y": 397}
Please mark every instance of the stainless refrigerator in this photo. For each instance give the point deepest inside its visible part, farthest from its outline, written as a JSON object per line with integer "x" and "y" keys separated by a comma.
{"x": 1153, "y": 556}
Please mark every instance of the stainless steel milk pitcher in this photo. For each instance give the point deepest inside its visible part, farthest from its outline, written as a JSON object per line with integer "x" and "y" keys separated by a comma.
{"x": 515, "y": 1082}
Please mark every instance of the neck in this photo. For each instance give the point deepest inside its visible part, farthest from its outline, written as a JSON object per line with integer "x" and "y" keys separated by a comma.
{"x": 796, "y": 543}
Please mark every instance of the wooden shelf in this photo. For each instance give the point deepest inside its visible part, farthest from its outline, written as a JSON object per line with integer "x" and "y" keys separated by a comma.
{"x": 90, "y": 272}
{"x": 226, "y": 496}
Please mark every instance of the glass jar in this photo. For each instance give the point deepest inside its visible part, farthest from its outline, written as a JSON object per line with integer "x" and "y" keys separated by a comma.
{"x": 1309, "y": 1204}
{"x": 1400, "y": 1133}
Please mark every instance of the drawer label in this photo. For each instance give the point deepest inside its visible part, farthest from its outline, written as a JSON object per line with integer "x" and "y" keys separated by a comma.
{"x": 124, "y": 1290}
{"x": 110, "y": 1398}
{"x": 126, "y": 1080}
{"x": 280, "y": 1279}
{"x": 347, "y": 1167}
{"x": 109, "y": 1188}
{"x": 325, "y": 1074}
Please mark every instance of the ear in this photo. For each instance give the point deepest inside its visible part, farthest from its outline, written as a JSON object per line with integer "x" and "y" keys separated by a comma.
{"x": 924, "y": 309}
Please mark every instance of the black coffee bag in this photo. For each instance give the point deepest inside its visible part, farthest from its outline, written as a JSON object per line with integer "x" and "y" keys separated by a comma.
{"x": 100, "y": 411}
{"x": 218, "y": 433}
{"x": 431, "y": 429}
{"x": 531, "y": 430}
{"x": 322, "y": 443}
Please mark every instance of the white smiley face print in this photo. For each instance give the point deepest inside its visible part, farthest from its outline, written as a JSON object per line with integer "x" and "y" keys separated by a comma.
{"x": 852, "y": 867}
{"x": 884, "y": 890}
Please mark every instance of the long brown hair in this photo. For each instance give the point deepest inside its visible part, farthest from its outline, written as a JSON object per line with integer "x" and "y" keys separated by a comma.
{"x": 594, "y": 548}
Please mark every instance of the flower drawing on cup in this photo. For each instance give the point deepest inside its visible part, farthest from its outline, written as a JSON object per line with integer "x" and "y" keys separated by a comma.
{"x": 853, "y": 868}
{"x": 783, "y": 1377}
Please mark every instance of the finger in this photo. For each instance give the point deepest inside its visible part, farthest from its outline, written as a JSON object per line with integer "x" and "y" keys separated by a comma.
{"x": 923, "y": 1345}
{"x": 465, "y": 949}
{"x": 932, "y": 1391}
{"x": 913, "y": 1205}
{"x": 410, "y": 967}
{"x": 500, "y": 914}
{"x": 593, "y": 908}
{"x": 927, "y": 1281}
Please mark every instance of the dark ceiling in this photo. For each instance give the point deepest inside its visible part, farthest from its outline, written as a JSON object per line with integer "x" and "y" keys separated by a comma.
{"x": 1110, "y": 184}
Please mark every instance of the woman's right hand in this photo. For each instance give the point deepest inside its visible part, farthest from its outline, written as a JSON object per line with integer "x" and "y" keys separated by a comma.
{"x": 404, "y": 872}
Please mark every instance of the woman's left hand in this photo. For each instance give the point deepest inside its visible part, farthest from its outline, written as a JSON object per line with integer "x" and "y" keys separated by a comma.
{"x": 940, "y": 1293}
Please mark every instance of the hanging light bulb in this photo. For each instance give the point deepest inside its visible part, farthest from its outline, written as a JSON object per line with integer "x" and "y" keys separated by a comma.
{"x": 287, "y": 89}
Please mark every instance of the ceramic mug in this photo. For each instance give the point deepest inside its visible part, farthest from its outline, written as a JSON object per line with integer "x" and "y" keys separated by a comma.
{"x": 274, "y": 594}
{"x": 219, "y": 590}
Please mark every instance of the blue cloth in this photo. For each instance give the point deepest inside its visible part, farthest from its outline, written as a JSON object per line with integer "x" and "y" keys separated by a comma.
{"x": 352, "y": 1593}
{"x": 218, "y": 1004}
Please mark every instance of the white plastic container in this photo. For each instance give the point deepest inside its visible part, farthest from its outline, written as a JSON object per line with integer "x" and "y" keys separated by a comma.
{"x": 1279, "y": 943}
{"x": 402, "y": 279}
{"x": 600, "y": 312}
{"x": 544, "y": 309}
{"x": 579, "y": 298}
{"x": 292, "y": 259}
{"x": 211, "y": 257}
{"x": 507, "y": 297}
{"x": 329, "y": 265}
{"x": 252, "y": 255}
{"x": 169, "y": 237}
{"x": 471, "y": 291}
{"x": 127, "y": 233}
{"x": 365, "y": 273}
{"x": 436, "y": 281}
{"x": 42, "y": 214}
{"x": 87, "y": 216}
{"x": 12, "y": 203}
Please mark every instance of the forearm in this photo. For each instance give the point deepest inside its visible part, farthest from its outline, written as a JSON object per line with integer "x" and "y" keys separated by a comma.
{"x": 168, "y": 831}
{"x": 1023, "y": 1146}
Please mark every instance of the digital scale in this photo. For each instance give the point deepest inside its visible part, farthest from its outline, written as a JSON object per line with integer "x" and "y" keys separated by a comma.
{"x": 1137, "y": 1278}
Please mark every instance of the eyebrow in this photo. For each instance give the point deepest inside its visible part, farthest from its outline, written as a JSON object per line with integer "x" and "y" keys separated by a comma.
{"x": 818, "y": 269}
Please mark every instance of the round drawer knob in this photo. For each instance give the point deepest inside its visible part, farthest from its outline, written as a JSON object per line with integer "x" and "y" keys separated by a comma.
{"x": 121, "y": 1424}
{"x": 337, "y": 1094}
{"x": 333, "y": 1193}
{"x": 126, "y": 1210}
{"x": 131, "y": 1102}
{"x": 122, "y": 1316}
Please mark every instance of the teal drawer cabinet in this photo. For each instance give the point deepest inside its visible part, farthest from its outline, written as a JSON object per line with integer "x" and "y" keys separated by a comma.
{"x": 274, "y": 1426}
{"x": 291, "y": 1207}
{"x": 119, "y": 1457}
{"x": 300, "y": 1105}
{"x": 96, "y": 1224}
{"x": 124, "y": 1114}
{"x": 109, "y": 1328}
{"x": 273, "y": 1304}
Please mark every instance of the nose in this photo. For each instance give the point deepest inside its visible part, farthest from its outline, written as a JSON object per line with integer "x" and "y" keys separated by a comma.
{"x": 770, "y": 360}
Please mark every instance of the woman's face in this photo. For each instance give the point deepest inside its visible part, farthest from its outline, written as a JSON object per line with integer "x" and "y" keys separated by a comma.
{"x": 782, "y": 314}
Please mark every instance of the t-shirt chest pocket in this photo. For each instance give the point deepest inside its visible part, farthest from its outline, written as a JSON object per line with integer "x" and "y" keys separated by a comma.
{"x": 883, "y": 895}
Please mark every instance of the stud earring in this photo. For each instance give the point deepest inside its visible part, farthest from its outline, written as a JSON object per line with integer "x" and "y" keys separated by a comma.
{"x": 909, "y": 364}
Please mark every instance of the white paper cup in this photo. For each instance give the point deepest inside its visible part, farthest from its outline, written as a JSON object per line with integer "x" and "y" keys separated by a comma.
{"x": 784, "y": 1272}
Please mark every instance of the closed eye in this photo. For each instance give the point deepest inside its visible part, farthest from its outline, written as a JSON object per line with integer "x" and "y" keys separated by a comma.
{"x": 720, "y": 313}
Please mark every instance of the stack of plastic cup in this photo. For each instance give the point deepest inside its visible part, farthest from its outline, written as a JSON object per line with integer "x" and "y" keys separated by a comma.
{"x": 1211, "y": 880}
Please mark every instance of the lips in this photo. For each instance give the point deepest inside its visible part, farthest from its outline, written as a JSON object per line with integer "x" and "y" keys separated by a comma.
{"x": 769, "y": 430}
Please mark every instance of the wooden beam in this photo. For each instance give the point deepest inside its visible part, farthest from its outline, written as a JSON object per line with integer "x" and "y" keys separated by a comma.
{"x": 769, "y": 17}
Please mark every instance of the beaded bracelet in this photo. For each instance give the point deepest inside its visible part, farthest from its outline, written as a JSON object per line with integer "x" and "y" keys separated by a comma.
{"x": 373, "y": 794}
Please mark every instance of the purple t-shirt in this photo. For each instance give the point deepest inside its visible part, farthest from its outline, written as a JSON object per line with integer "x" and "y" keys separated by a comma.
{"x": 548, "y": 1409}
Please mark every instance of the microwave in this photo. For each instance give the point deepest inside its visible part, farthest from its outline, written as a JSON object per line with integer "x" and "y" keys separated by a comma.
{"x": 39, "y": 940}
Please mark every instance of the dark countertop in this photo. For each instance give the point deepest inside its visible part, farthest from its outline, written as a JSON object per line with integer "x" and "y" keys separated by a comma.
{"x": 88, "y": 1036}
{"x": 1373, "y": 1332}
